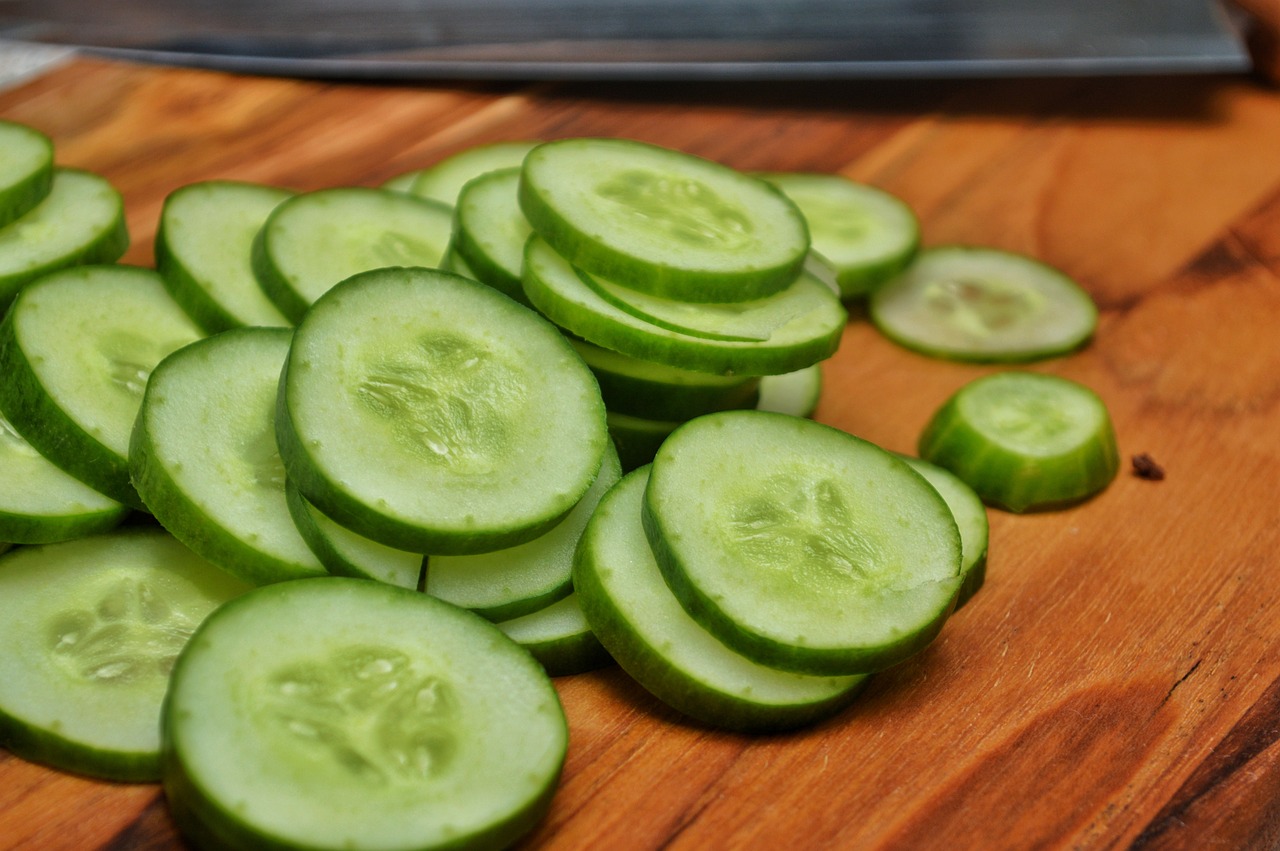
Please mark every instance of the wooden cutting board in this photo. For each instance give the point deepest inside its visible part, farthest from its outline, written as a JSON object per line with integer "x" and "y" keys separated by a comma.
{"x": 1117, "y": 681}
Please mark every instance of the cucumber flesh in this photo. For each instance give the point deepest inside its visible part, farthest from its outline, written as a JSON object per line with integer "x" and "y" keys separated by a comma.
{"x": 26, "y": 169}
{"x": 801, "y": 546}
{"x": 380, "y": 718}
{"x": 983, "y": 305}
{"x": 91, "y": 629}
{"x": 1024, "y": 441}
{"x": 666, "y": 223}
{"x": 314, "y": 240}
{"x": 635, "y": 616}
{"x": 226, "y": 502}
{"x": 414, "y": 410}
{"x": 444, "y": 181}
{"x": 489, "y": 231}
{"x": 76, "y": 350}
{"x": 971, "y": 519}
{"x": 203, "y": 249}
{"x": 559, "y": 637}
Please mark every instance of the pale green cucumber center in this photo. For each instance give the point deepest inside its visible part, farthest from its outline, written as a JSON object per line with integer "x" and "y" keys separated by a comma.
{"x": 1032, "y": 415}
{"x": 671, "y": 206}
{"x": 981, "y": 307}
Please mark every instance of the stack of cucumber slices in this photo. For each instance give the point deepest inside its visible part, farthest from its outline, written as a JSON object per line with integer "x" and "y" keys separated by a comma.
{"x": 383, "y": 460}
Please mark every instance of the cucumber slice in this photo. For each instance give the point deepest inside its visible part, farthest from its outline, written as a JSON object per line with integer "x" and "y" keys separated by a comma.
{"x": 203, "y": 250}
{"x": 635, "y": 616}
{"x": 1025, "y": 441}
{"x": 344, "y": 553}
{"x": 26, "y": 169}
{"x": 40, "y": 504}
{"x": 559, "y": 291}
{"x": 404, "y": 181}
{"x": 380, "y": 718}
{"x": 518, "y": 580}
{"x": 983, "y": 305}
{"x": 800, "y": 546}
{"x": 638, "y": 438}
{"x": 227, "y": 501}
{"x": 81, "y": 220}
{"x": 444, "y": 180}
{"x": 559, "y": 637}
{"x": 862, "y": 235}
{"x": 795, "y": 393}
{"x": 489, "y": 231}
{"x": 659, "y": 392}
{"x": 432, "y": 414}
{"x": 663, "y": 222}
{"x": 971, "y": 518}
{"x": 314, "y": 240}
{"x": 76, "y": 350}
{"x": 91, "y": 628}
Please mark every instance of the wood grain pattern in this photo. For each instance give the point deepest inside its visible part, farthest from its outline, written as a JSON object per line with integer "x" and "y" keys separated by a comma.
{"x": 1117, "y": 681}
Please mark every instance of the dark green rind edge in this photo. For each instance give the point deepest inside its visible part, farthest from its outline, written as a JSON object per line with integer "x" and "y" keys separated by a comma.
{"x": 361, "y": 518}
{"x": 479, "y": 262}
{"x": 646, "y": 275}
{"x": 693, "y": 353}
{"x": 178, "y": 513}
{"x": 974, "y": 574}
{"x": 35, "y": 416}
{"x": 20, "y": 197}
{"x": 1003, "y": 479}
{"x": 47, "y": 748}
{"x": 107, "y": 246}
{"x": 182, "y": 285}
{"x": 18, "y": 528}
{"x": 646, "y": 665}
{"x": 211, "y": 826}
{"x": 974, "y": 578}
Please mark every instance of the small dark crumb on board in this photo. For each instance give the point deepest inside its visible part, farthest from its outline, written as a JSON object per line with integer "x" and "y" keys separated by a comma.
{"x": 1145, "y": 467}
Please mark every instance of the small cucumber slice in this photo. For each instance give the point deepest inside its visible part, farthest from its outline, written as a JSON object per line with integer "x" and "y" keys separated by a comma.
{"x": 800, "y": 546}
{"x": 226, "y": 501}
{"x": 638, "y": 438}
{"x": 983, "y": 305}
{"x": 489, "y": 231}
{"x": 91, "y": 629}
{"x": 404, "y": 181}
{"x": 659, "y": 392}
{"x": 518, "y": 580}
{"x": 26, "y": 169}
{"x": 338, "y": 713}
{"x": 559, "y": 291}
{"x": 344, "y": 553}
{"x": 40, "y": 504}
{"x": 971, "y": 519}
{"x": 76, "y": 350}
{"x": 444, "y": 180}
{"x": 863, "y": 235}
{"x": 661, "y": 221}
{"x": 559, "y": 637}
{"x": 432, "y": 414}
{"x": 795, "y": 393}
{"x": 203, "y": 250}
{"x": 316, "y": 239}
{"x": 1024, "y": 441}
{"x": 635, "y": 616}
{"x": 81, "y": 220}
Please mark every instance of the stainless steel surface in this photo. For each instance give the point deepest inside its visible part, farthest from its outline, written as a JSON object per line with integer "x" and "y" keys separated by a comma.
{"x": 645, "y": 38}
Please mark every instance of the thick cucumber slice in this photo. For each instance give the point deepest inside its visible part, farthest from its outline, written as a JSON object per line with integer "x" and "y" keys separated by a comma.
{"x": 40, "y": 504}
{"x": 559, "y": 637}
{"x": 1025, "y": 441}
{"x": 203, "y": 250}
{"x": 664, "y": 222}
{"x": 314, "y": 240}
{"x": 344, "y": 553}
{"x": 801, "y": 546}
{"x": 635, "y": 616}
{"x": 26, "y": 169}
{"x": 795, "y": 393}
{"x": 80, "y": 220}
{"x": 983, "y": 305}
{"x": 380, "y": 718}
{"x": 91, "y": 629}
{"x": 971, "y": 519}
{"x": 225, "y": 501}
{"x": 432, "y": 414}
{"x": 862, "y": 235}
{"x": 659, "y": 392}
{"x": 444, "y": 180}
{"x": 559, "y": 291}
{"x": 489, "y": 231}
{"x": 519, "y": 580}
{"x": 76, "y": 350}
